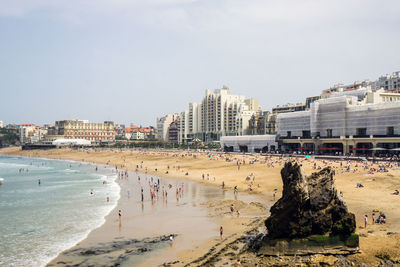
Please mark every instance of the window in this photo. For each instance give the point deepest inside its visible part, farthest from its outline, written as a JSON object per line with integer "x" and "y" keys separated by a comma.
{"x": 361, "y": 131}
{"x": 390, "y": 131}
{"x": 329, "y": 132}
{"x": 306, "y": 134}
{"x": 289, "y": 134}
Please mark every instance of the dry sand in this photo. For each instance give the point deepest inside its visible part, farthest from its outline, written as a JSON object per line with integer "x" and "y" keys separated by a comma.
{"x": 377, "y": 242}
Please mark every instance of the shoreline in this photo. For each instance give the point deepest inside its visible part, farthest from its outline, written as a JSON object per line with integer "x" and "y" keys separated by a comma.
{"x": 70, "y": 241}
{"x": 104, "y": 218}
{"x": 188, "y": 165}
{"x": 115, "y": 180}
{"x": 90, "y": 241}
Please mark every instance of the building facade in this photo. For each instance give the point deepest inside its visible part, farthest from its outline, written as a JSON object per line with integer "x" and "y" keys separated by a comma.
{"x": 173, "y": 132}
{"x": 249, "y": 143}
{"x": 183, "y": 127}
{"x": 26, "y": 131}
{"x": 389, "y": 82}
{"x": 220, "y": 114}
{"x": 82, "y": 129}
{"x": 163, "y": 124}
{"x": 343, "y": 124}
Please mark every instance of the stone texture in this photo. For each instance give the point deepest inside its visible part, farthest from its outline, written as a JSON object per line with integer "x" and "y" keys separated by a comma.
{"x": 309, "y": 206}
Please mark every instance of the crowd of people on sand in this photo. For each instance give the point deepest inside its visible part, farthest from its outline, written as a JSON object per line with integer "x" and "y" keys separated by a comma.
{"x": 156, "y": 191}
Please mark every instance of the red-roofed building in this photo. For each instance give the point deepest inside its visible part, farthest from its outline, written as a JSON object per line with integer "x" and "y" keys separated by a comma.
{"x": 139, "y": 133}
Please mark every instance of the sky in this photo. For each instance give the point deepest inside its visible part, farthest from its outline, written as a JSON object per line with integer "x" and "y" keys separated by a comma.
{"x": 135, "y": 60}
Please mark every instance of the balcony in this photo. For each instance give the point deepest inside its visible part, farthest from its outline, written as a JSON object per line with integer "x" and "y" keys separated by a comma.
{"x": 361, "y": 136}
{"x": 384, "y": 136}
{"x": 329, "y": 137}
{"x": 290, "y": 137}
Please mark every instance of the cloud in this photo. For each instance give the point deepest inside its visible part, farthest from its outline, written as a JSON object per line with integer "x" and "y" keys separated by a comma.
{"x": 203, "y": 15}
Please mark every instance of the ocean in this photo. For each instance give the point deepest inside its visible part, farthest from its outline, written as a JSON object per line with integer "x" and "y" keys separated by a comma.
{"x": 37, "y": 222}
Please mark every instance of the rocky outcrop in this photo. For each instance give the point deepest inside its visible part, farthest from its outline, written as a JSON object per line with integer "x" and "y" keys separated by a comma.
{"x": 309, "y": 206}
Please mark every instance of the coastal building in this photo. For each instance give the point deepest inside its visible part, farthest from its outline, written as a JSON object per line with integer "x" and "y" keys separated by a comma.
{"x": 389, "y": 82}
{"x": 12, "y": 126}
{"x": 139, "y": 133}
{"x": 359, "y": 121}
{"x": 163, "y": 123}
{"x": 173, "y": 132}
{"x": 223, "y": 113}
{"x": 39, "y": 134}
{"x": 82, "y": 129}
{"x": 1, "y": 124}
{"x": 119, "y": 130}
{"x": 194, "y": 123}
{"x": 249, "y": 143}
{"x": 220, "y": 113}
{"x": 263, "y": 123}
{"x": 183, "y": 127}
{"x": 26, "y": 131}
{"x": 348, "y": 87}
{"x": 289, "y": 108}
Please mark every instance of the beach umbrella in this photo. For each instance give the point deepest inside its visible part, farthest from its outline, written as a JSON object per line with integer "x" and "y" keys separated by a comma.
{"x": 364, "y": 159}
{"x": 308, "y": 157}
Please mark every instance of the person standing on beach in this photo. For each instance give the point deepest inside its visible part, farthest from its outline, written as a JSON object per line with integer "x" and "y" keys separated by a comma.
{"x": 120, "y": 217}
{"x": 365, "y": 221}
{"x": 221, "y": 232}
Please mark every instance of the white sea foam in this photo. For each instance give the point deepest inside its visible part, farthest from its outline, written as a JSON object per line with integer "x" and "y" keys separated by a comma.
{"x": 45, "y": 219}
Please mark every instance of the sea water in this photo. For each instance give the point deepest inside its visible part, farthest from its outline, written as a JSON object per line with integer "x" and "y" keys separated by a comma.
{"x": 37, "y": 222}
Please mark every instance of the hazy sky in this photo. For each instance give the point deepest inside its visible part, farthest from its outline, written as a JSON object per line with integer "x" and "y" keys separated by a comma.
{"x": 134, "y": 60}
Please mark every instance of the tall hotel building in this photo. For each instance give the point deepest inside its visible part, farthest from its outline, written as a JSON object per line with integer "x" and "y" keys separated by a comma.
{"x": 82, "y": 129}
{"x": 220, "y": 113}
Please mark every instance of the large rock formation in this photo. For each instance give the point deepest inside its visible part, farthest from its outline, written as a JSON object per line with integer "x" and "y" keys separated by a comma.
{"x": 309, "y": 206}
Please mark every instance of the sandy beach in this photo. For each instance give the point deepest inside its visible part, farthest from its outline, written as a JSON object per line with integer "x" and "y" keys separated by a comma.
{"x": 255, "y": 175}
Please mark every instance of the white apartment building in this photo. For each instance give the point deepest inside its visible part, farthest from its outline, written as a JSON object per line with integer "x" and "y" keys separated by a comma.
{"x": 39, "y": 134}
{"x": 194, "y": 118}
{"x": 138, "y": 135}
{"x": 163, "y": 124}
{"x": 183, "y": 127}
{"x": 221, "y": 114}
{"x": 26, "y": 131}
{"x": 389, "y": 82}
{"x": 344, "y": 124}
{"x": 1, "y": 124}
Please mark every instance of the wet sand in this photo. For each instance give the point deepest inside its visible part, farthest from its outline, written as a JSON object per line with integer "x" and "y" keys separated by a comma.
{"x": 135, "y": 241}
{"x": 376, "y": 195}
